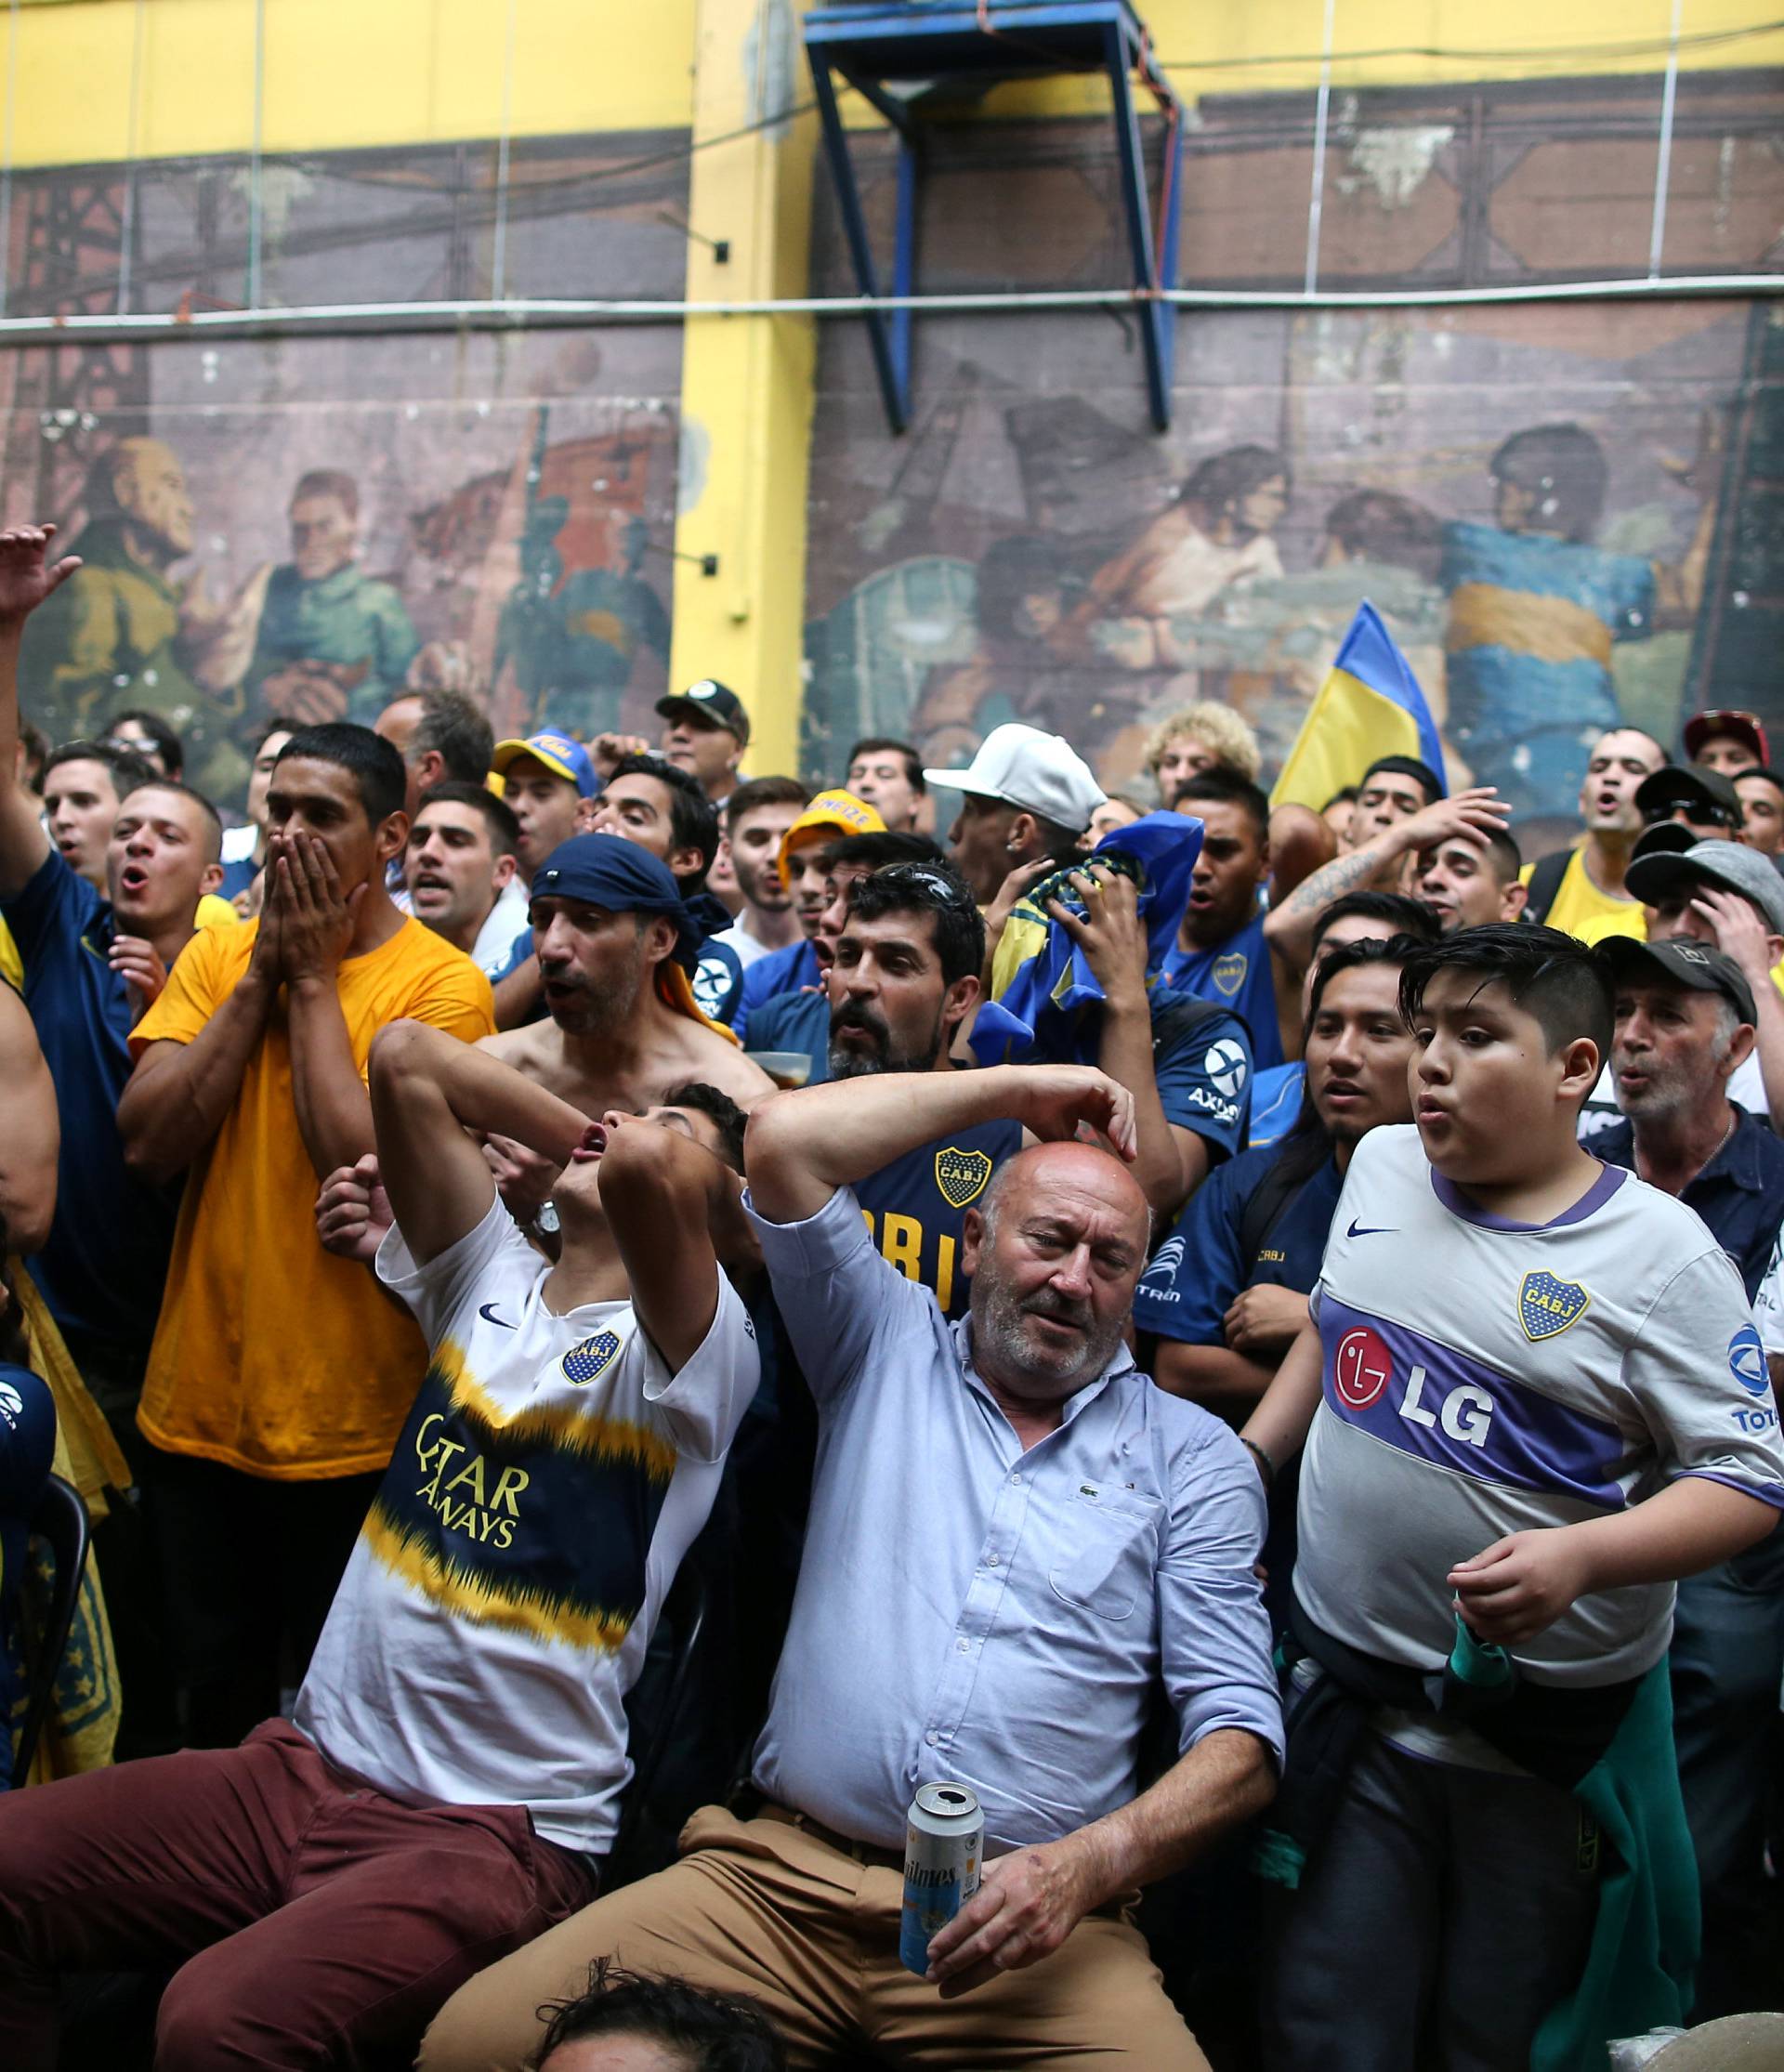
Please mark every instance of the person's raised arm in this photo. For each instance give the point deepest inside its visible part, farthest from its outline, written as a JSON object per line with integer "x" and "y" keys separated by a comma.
{"x": 1471, "y": 815}
{"x": 802, "y": 1146}
{"x": 664, "y": 1195}
{"x": 27, "y": 577}
{"x": 30, "y": 1132}
{"x": 1112, "y": 937}
{"x": 429, "y": 1093}
{"x": 190, "y": 1071}
{"x": 1742, "y": 936}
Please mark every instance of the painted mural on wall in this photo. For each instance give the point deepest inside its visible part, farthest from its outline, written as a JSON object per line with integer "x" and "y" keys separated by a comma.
{"x": 1535, "y": 498}
{"x": 299, "y": 531}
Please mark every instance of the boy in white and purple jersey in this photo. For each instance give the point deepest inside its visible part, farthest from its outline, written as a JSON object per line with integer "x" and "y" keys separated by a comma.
{"x": 1533, "y": 1398}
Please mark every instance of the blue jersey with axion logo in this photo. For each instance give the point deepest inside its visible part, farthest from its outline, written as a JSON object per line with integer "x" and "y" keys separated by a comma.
{"x": 1483, "y": 1377}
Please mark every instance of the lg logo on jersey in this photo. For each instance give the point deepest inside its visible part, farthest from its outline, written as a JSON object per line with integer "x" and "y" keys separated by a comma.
{"x": 1362, "y": 1366}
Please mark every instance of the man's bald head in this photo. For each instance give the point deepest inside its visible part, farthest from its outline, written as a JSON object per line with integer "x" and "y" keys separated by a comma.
{"x": 1055, "y": 1250}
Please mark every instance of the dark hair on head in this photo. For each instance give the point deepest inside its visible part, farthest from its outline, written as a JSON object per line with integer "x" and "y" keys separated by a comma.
{"x": 712, "y": 2032}
{"x": 375, "y": 766}
{"x": 1308, "y": 1144}
{"x": 498, "y": 814}
{"x": 268, "y": 731}
{"x": 154, "y": 781}
{"x": 329, "y": 481}
{"x": 935, "y": 888}
{"x": 764, "y": 790}
{"x": 1011, "y": 570}
{"x": 1508, "y": 858}
{"x": 719, "y": 1108}
{"x": 693, "y": 818}
{"x": 1225, "y": 479}
{"x": 1763, "y": 770}
{"x": 128, "y": 769}
{"x": 1402, "y": 916}
{"x": 168, "y": 745}
{"x": 1421, "y": 774}
{"x": 453, "y": 727}
{"x": 1390, "y": 531}
{"x": 1554, "y": 976}
{"x": 883, "y": 744}
{"x": 1563, "y": 467}
{"x": 1345, "y": 796}
{"x": 873, "y": 852}
{"x": 1224, "y": 787}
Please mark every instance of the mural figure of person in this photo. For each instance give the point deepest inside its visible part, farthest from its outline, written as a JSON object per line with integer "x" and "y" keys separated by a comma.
{"x": 1535, "y": 609}
{"x": 107, "y": 638}
{"x": 334, "y": 643}
{"x": 1218, "y": 533}
{"x": 1026, "y": 590}
{"x": 572, "y": 639}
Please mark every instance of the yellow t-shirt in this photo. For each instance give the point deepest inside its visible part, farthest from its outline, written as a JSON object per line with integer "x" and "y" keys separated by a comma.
{"x": 272, "y": 1355}
{"x": 1579, "y": 908}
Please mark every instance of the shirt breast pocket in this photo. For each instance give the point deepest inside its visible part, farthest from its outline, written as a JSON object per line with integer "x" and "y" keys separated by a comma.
{"x": 1111, "y": 1552}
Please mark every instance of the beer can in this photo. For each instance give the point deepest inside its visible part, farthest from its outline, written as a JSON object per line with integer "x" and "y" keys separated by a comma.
{"x": 944, "y": 1846}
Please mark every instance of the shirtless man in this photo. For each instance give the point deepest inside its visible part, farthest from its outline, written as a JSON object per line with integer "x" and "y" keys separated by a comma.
{"x": 615, "y": 950}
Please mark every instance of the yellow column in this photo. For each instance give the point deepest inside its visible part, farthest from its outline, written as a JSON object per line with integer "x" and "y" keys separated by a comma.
{"x": 746, "y": 382}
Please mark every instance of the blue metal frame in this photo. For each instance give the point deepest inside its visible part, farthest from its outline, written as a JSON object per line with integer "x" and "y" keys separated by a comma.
{"x": 990, "y": 40}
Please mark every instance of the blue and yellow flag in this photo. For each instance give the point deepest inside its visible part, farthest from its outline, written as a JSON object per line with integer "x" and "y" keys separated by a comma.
{"x": 1041, "y": 978}
{"x": 1368, "y": 705}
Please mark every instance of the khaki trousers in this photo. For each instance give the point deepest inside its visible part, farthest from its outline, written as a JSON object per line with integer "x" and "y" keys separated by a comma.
{"x": 764, "y": 1907}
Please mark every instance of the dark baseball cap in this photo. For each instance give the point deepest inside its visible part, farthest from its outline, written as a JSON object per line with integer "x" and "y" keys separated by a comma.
{"x": 1684, "y": 963}
{"x": 708, "y": 703}
{"x": 1664, "y": 838}
{"x": 1729, "y": 866}
{"x": 1705, "y": 794}
{"x": 1743, "y": 727}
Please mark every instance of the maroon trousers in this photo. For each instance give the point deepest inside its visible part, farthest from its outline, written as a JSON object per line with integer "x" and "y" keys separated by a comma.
{"x": 316, "y": 1923}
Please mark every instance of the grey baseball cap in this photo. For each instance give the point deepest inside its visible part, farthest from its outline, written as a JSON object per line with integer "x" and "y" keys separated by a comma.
{"x": 1693, "y": 964}
{"x": 1728, "y": 866}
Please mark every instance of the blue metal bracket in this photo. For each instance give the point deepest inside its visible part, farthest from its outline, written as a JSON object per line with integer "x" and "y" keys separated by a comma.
{"x": 875, "y": 44}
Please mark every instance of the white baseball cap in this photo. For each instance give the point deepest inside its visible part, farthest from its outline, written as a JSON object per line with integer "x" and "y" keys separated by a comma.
{"x": 1041, "y": 773}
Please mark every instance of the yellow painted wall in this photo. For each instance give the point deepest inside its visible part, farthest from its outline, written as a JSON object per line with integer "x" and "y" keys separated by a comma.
{"x": 340, "y": 74}
{"x": 351, "y": 73}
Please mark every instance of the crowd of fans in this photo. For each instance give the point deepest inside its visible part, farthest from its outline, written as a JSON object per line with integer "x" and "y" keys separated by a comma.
{"x": 592, "y": 1292}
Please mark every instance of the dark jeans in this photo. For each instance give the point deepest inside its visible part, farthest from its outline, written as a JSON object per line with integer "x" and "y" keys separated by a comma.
{"x": 1726, "y": 1661}
{"x": 1446, "y": 1912}
{"x": 316, "y": 1921}
{"x": 249, "y": 1568}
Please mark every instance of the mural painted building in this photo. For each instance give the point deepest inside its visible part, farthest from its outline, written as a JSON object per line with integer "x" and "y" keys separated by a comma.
{"x": 1569, "y": 508}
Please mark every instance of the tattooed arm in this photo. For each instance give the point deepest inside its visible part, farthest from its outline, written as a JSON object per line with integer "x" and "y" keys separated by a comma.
{"x": 1471, "y": 815}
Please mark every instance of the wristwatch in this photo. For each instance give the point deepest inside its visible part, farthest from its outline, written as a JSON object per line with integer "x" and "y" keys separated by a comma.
{"x": 546, "y": 1223}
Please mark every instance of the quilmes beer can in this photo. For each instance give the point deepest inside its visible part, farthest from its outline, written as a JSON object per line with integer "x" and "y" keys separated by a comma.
{"x": 944, "y": 1846}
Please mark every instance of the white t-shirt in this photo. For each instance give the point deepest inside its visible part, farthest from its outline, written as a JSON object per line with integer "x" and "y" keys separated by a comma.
{"x": 743, "y": 944}
{"x": 1481, "y": 1378}
{"x": 498, "y": 1603}
{"x": 493, "y": 949}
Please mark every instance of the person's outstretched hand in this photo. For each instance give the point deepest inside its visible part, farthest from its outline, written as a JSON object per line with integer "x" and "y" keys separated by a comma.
{"x": 27, "y": 575}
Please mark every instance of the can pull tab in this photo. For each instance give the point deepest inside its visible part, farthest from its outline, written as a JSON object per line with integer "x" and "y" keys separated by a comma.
{"x": 952, "y": 1797}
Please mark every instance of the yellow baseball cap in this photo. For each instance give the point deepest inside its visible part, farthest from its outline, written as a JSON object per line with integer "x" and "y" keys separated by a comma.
{"x": 838, "y": 811}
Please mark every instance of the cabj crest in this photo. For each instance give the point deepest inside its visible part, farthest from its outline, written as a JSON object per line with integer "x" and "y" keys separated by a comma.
{"x": 589, "y": 1360}
{"x": 962, "y": 1176}
{"x": 1229, "y": 972}
{"x": 1546, "y": 1307}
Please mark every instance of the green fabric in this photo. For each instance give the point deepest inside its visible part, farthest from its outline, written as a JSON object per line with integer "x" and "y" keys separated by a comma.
{"x": 1640, "y": 1970}
{"x": 1479, "y": 1663}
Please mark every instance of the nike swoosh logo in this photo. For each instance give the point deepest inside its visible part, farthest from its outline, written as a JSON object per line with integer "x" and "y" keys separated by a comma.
{"x": 488, "y": 1311}
{"x": 1374, "y": 1230}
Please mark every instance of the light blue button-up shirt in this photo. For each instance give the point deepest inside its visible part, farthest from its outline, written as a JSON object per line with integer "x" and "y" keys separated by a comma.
{"x": 972, "y": 1612}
